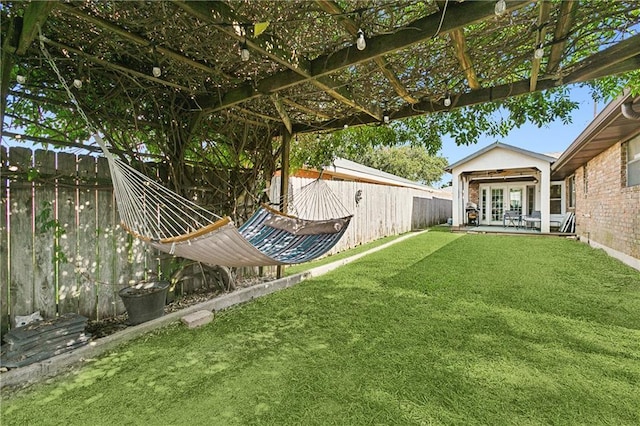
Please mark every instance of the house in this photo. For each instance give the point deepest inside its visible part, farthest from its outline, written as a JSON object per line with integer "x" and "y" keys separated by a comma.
{"x": 601, "y": 175}
{"x": 501, "y": 178}
{"x": 596, "y": 180}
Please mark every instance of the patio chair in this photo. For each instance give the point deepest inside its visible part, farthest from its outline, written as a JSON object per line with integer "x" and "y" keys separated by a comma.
{"x": 511, "y": 218}
{"x": 532, "y": 219}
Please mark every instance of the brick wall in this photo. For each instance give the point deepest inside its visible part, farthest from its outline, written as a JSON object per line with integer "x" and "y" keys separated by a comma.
{"x": 474, "y": 192}
{"x": 607, "y": 211}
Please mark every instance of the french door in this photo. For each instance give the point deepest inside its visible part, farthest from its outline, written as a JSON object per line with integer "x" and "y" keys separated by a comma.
{"x": 495, "y": 200}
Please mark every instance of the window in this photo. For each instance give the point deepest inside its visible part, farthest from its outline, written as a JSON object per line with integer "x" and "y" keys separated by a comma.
{"x": 585, "y": 181}
{"x": 555, "y": 199}
{"x": 633, "y": 162}
{"x": 572, "y": 191}
{"x": 531, "y": 199}
{"x": 515, "y": 200}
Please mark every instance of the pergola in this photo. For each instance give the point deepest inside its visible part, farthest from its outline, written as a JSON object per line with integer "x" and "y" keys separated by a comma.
{"x": 251, "y": 70}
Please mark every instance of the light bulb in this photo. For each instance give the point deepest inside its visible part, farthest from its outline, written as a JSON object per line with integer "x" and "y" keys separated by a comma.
{"x": 244, "y": 52}
{"x": 21, "y": 79}
{"x": 346, "y": 126}
{"x": 386, "y": 118}
{"x": 77, "y": 83}
{"x": 539, "y": 52}
{"x": 156, "y": 71}
{"x": 361, "y": 43}
{"x": 447, "y": 100}
{"x": 501, "y": 7}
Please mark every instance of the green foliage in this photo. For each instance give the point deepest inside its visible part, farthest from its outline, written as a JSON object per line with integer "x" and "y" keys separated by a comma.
{"x": 424, "y": 133}
{"x": 410, "y": 162}
{"x": 320, "y": 150}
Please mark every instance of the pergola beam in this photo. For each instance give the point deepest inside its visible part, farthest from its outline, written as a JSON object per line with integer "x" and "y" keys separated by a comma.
{"x": 460, "y": 46}
{"x": 20, "y": 34}
{"x": 568, "y": 10}
{"x": 543, "y": 17}
{"x": 112, "y": 65}
{"x": 141, "y": 41}
{"x": 34, "y": 17}
{"x": 282, "y": 112}
{"x": 202, "y": 10}
{"x": 333, "y": 8}
{"x": 305, "y": 109}
{"x": 620, "y": 58}
{"x": 459, "y": 16}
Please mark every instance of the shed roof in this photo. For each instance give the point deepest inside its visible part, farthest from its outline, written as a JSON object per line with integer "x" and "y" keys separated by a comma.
{"x": 496, "y": 145}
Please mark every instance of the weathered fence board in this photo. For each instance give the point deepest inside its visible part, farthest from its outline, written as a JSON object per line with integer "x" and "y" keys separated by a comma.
{"x": 68, "y": 281}
{"x": 87, "y": 250}
{"x": 106, "y": 290}
{"x": 21, "y": 237}
{"x": 45, "y": 229}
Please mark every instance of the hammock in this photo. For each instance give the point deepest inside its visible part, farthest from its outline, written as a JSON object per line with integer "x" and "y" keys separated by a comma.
{"x": 178, "y": 226}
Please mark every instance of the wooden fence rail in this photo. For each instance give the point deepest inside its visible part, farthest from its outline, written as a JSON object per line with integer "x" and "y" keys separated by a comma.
{"x": 62, "y": 248}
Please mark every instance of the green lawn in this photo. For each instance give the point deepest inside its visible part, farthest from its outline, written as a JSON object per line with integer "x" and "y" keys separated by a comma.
{"x": 438, "y": 329}
{"x": 296, "y": 269}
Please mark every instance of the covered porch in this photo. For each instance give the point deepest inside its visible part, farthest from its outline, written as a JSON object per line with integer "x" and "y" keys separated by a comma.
{"x": 502, "y": 186}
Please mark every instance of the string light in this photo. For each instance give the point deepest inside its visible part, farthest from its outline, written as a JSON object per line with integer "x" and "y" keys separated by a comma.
{"x": 447, "y": 100}
{"x": 539, "y": 52}
{"x": 501, "y": 7}
{"x": 77, "y": 83}
{"x": 244, "y": 52}
{"x": 156, "y": 71}
{"x": 361, "y": 43}
{"x": 21, "y": 79}
{"x": 346, "y": 126}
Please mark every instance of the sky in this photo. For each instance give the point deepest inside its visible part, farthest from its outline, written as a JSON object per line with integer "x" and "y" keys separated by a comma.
{"x": 553, "y": 138}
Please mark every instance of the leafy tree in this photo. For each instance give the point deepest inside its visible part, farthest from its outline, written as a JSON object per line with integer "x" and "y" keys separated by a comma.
{"x": 410, "y": 162}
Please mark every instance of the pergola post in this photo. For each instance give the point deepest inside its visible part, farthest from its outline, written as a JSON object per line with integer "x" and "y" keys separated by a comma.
{"x": 284, "y": 180}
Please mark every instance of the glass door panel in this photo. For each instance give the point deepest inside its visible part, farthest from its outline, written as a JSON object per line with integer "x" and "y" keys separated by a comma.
{"x": 497, "y": 203}
{"x": 483, "y": 206}
{"x": 515, "y": 200}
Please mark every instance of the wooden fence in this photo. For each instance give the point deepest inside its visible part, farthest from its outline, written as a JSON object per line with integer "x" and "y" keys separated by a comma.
{"x": 382, "y": 210}
{"x": 61, "y": 246}
{"x": 62, "y": 249}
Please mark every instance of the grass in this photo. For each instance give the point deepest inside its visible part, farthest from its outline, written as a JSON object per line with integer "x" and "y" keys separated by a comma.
{"x": 437, "y": 329}
{"x": 296, "y": 269}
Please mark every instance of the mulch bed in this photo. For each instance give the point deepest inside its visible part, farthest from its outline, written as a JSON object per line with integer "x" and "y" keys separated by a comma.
{"x": 105, "y": 327}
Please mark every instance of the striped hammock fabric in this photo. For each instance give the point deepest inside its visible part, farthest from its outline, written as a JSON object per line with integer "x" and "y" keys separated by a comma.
{"x": 254, "y": 243}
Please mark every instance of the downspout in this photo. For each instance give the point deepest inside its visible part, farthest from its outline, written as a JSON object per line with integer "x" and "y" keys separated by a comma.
{"x": 628, "y": 111}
